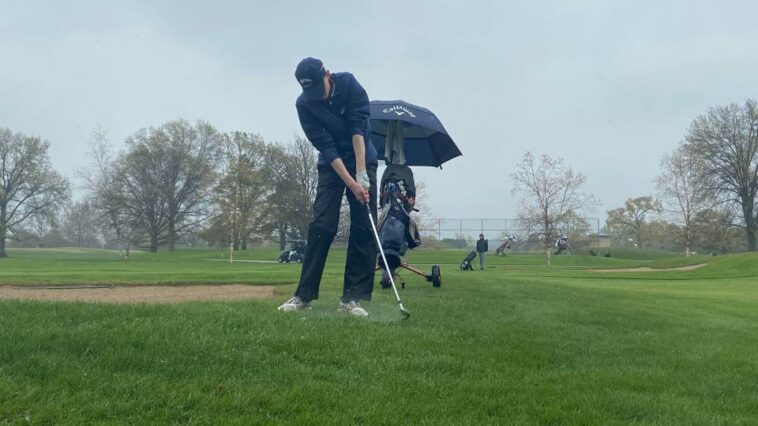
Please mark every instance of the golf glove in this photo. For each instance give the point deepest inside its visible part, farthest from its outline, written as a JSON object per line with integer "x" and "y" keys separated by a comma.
{"x": 362, "y": 178}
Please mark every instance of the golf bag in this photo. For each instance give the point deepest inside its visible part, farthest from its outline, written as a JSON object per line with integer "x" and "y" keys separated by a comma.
{"x": 561, "y": 245}
{"x": 466, "y": 264}
{"x": 295, "y": 252}
{"x": 397, "y": 230}
{"x": 506, "y": 244}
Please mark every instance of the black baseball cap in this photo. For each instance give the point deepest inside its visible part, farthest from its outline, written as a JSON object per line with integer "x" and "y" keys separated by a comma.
{"x": 310, "y": 74}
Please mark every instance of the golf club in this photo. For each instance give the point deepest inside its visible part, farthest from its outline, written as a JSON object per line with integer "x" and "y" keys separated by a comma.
{"x": 405, "y": 313}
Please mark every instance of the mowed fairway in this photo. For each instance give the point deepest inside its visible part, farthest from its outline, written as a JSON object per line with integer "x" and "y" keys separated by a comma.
{"x": 518, "y": 343}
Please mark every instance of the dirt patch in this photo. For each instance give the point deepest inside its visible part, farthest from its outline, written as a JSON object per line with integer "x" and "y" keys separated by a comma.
{"x": 649, "y": 269}
{"x": 138, "y": 294}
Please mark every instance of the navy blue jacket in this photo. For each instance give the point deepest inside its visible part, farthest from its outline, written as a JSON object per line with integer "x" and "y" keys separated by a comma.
{"x": 330, "y": 124}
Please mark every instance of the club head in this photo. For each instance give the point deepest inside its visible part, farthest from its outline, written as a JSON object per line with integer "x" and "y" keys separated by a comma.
{"x": 405, "y": 313}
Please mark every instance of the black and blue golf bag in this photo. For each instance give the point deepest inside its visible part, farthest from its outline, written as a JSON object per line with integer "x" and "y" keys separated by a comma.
{"x": 561, "y": 244}
{"x": 397, "y": 231}
{"x": 466, "y": 264}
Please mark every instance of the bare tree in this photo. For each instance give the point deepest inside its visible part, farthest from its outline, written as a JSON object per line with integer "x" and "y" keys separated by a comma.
{"x": 630, "y": 220}
{"x": 119, "y": 216}
{"x": 79, "y": 224}
{"x": 725, "y": 139}
{"x": 29, "y": 187}
{"x": 42, "y": 230}
{"x": 679, "y": 186}
{"x": 343, "y": 226}
{"x": 425, "y": 216}
{"x": 551, "y": 195}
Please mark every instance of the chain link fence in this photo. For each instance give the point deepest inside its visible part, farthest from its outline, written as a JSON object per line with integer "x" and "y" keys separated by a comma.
{"x": 583, "y": 233}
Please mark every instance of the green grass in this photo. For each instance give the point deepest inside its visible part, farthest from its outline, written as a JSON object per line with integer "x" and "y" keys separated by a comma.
{"x": 76, "y": 266}
{"x": 634, "y": 253}
{"x": 82, "y": 266}
{"x": 519, "y": 343}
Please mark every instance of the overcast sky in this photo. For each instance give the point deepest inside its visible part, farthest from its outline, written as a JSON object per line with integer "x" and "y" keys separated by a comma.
{"x": 610, "y": 86}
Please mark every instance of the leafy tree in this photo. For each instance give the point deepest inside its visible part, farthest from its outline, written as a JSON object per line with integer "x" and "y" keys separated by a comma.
{"x": 217, "y": 232}
{"x": 280, "y": 195}
{"x": 139, "y": 171}
{"x": 629, "y": 221}
{"x": 662, "y": 235}
{"x": 305, "y": 173}
{"x": 189, "y": 155}
{"x": 168, "y": 173}
{"x": 29, "y": 187}
{"x": 714, "y": 230}
{"x": 580, "y": 233}
{"x": 241, "y": 188}
{"x": 292, "y": 175}
{"x": 725, "y": 140}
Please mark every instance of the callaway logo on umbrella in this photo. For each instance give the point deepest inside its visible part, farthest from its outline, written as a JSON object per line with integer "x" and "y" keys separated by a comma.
{"x": 408, "y": 134}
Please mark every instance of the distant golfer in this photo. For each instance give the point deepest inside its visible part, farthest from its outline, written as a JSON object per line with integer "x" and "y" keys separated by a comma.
{"x": 334, "y": 113}
{"x": 481, "y": 247}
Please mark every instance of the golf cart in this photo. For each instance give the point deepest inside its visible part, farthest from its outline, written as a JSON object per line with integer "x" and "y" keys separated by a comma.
{"x": 294, "y": 251}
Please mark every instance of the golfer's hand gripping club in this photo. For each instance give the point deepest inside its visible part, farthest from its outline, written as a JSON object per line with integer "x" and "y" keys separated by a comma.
{"x": 360, "y": 193}
{"x": 362, "y": 178}
{"x": 404, "y": 312}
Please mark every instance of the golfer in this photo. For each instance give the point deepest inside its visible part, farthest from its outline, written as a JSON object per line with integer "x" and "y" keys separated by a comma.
{"x": 334, "y": 113}
{"x": 482, "y": 247}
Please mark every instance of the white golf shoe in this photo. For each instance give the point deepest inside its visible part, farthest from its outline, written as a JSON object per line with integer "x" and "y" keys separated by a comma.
{"x": 294, "y": 304}
{"x": 354, "y": 308}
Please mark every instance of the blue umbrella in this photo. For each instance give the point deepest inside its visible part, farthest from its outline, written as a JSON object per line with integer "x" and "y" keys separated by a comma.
{"x": 415, "y": 135}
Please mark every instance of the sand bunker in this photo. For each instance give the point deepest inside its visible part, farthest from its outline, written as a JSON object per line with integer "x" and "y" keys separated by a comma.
{"x": 138, "y": 294}
{"x": 649, "y": 269}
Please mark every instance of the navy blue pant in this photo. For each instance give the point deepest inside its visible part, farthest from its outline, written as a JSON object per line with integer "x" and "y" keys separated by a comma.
{"x": 361, "y": 248}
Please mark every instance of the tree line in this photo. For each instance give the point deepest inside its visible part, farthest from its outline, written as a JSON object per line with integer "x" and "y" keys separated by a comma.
{"x": 705, "y": 191}
{"x": 190, "y": 182}
{"x": 176, "y": 182}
